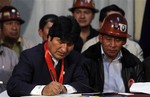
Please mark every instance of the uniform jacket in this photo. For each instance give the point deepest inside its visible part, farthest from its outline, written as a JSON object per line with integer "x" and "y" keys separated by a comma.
{"x": 32, "y": 70}
{"x": 132, "y": 67}
{"x": 8, "y": 60}
{"x": 22, "y": 44}
{"x": 79, "y": 43}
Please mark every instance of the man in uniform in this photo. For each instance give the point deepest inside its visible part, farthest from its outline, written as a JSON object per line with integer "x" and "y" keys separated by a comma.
{"x": 10, "y": 30}
{"x": 84, "y": 12}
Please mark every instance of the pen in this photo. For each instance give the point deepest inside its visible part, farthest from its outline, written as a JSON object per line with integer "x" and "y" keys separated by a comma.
{"x": 52, "y": 75}
{"x": 54, "y": 78}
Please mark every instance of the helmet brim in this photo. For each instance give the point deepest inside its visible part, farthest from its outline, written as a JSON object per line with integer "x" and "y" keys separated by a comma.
{"x": 20, "y": 20}
{"x": 93, "y": 9}
{"x": 115, "y": 35}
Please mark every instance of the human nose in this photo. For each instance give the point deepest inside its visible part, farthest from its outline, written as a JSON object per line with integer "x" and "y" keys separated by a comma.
{"x": 112, "y": 43}
{"x": 64, "y": 47}
{"x": 14, "y": 26}
{"x": 82, "y": 15}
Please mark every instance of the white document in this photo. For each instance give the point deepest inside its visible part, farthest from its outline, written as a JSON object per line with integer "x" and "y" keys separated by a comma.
{"x": 60, "y": 95}
{"x": 40, "y": 96}
{"x": 4, "y": 94}
{"x": 140, "y": 87}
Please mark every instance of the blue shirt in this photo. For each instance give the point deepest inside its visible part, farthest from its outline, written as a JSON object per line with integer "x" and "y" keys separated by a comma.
{"x": 113, "y": 81}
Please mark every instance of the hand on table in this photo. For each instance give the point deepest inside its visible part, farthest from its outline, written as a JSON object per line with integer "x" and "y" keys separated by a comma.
{"x": 53, "y": 88}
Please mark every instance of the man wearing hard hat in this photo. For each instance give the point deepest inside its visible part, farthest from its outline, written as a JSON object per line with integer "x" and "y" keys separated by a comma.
{"x": 84, "y": 12}
{"x": 11, "y": 22}
{"x": 114, "y": 68}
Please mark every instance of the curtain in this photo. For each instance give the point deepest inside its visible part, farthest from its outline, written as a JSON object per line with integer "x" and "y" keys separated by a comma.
{"x": 32, "y": 10}
{"x": 145, "y": 33}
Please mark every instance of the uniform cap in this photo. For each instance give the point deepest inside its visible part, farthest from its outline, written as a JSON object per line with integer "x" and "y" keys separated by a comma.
{"x": 8, "y": 13}
{"x": 115, "y": 25}
{"x": 84, "y": 4}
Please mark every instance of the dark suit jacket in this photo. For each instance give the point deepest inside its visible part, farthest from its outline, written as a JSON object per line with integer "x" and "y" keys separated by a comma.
{"x": 32, "y": 70}
{"x": 132, "y": 67}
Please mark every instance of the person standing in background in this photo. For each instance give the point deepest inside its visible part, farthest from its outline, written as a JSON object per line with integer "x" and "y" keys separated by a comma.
{"x": 45, "y": 24}
{"x": 10, "y": 30}
{"x": 84, "y": 12}
{"x": 131, "y": 45}
{"x": 8, "y": 60}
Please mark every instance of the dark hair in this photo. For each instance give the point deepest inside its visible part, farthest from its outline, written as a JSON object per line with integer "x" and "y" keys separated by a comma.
{"x": 45, "y": 19}
{"x": 105, "y": 10}
{"x": 66, "y": 28}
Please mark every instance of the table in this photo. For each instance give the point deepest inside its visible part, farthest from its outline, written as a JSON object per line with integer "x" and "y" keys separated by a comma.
{"x": 88, "y": 95}
{"x": 116, "y": 95}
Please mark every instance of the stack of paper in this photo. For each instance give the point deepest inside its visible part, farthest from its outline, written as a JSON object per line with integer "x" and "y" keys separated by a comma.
{"x": 141, "y": 87}
{"x": 60, "y": 95}
{"x": 4, "y": 94}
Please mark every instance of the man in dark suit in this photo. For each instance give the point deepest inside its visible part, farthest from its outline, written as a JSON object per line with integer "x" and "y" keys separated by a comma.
{"x": 52, "y": 67}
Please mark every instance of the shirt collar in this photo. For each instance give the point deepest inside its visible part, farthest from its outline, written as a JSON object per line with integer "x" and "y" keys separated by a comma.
{"x": 53, "y": 59}
{"x": 18, "y": 41}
